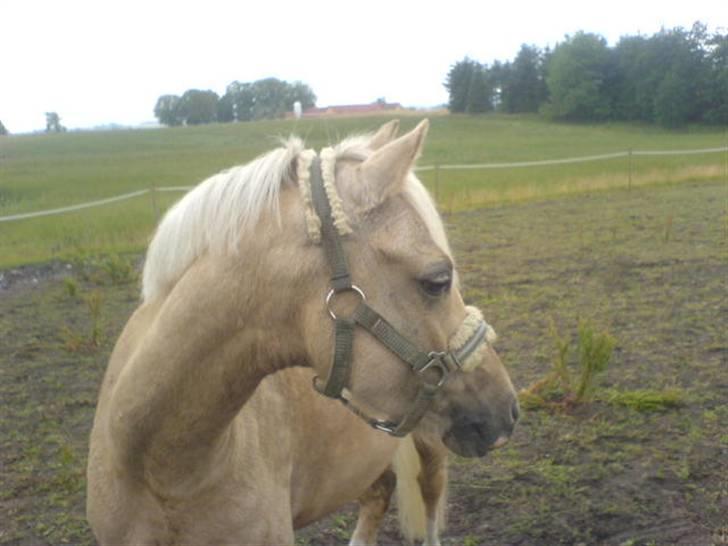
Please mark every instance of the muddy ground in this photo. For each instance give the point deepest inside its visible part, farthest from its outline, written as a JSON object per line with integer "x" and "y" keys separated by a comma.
{"x": 648, "y": 266}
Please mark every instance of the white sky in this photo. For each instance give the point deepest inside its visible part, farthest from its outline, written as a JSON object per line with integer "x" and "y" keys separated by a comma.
{"x": 100, "y": 61}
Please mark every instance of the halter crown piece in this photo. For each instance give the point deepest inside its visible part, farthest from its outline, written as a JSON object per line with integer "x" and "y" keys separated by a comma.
{"x": 326, "y": 223}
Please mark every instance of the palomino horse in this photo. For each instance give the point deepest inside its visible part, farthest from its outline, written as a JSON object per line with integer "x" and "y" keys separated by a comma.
{"x": 197, "y": 439}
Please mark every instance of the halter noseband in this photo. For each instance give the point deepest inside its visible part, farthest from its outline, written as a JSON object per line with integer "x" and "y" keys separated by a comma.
{"x": 363, "y": 315}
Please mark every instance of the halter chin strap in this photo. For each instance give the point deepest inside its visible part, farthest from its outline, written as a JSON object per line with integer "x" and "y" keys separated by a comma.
{"x": 432, "y": 368}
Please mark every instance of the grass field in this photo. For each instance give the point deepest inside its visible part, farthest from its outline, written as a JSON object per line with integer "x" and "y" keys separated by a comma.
{"x": 48, "y": 171}
{"x": 647, "y": 265}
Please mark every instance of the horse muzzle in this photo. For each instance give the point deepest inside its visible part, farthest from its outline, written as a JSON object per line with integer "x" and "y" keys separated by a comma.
{"x": 475, "y": 434}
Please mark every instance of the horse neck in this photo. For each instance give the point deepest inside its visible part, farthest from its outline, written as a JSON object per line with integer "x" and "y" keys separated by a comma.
{"x": 197, "y": 358}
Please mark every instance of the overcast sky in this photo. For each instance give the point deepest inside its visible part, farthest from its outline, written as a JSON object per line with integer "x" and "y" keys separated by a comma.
{"x": 97, "y": 62}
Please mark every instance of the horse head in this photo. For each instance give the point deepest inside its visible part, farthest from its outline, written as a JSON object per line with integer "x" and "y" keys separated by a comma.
{"x": 413, "y": 353}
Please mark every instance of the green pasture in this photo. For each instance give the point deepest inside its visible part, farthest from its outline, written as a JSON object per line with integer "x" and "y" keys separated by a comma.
{"x": 48, "y": 171}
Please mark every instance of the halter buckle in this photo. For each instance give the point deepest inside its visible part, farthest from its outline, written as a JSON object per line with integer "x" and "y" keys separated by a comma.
{"x": 384, "y": 426}
{"x": 438, "y": 361}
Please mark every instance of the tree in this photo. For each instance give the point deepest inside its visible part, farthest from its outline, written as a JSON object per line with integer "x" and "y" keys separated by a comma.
{"x": 458, "y": 84}
{"x": 226, "y": 109}
{"x": 579, "y": 71}
{"x": 664, "y": 78}
{"x": 271, "y": 98}
{"x": 167, "y": 110}
{"x": 237, "y": 103}
{"x": 480, "y": 92}
{"x": 3, "y": 130}
{"x": 672, "y": 78}
{"x": 676, "y": 75}
{"x": 300, "y": 92}
{"x": 716, "y": 87}
{"x": 53, "y": 123}
{"x": 672, "y": 102}
{"x": 197, "y": 107}
{"x": 632, "y": 93}
{"x": 264, "y": 99}
{"x": 498, "y": 75}
{"x": 524, "y": 89}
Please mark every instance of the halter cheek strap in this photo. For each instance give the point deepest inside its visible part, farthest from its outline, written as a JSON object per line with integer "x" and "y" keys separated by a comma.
{"x": 421, "y": 362}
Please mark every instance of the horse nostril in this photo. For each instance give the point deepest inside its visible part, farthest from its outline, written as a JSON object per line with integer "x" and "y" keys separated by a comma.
{"x": 515, "y": 412}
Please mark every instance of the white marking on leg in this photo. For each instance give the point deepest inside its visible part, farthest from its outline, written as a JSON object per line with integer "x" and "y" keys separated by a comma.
{"x": 432, "y": 538}
{"x": 359, "y": 538}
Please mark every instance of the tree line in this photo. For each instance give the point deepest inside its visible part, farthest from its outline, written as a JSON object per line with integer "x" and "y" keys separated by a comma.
{"x": 268, "y": 98}
{"x": 672, "y": 78}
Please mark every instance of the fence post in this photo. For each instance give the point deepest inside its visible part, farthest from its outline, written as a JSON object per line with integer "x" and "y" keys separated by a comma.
{"x": 155, "y": 207}
{"x": 437, "y": 182}
{"x": 629, "y": 169}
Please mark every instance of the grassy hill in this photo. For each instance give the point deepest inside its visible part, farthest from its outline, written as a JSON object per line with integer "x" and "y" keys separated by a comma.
{"x": 47, "y": 171}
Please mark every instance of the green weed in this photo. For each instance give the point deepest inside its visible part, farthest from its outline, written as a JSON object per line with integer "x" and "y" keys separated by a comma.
{"x": 341, "y": 524}
{"x": 595, "y": 351}
{"x": 73, "y": 342}
{"x": 572, "y": 380}
{"x": 120, "y": 270}
{"x": 105, "y": 269}
{"x": 94, "y": 301}
{"x": 71, "y": 287}
{"x": 647, "y": 400}
{"x": 89, "y": 340}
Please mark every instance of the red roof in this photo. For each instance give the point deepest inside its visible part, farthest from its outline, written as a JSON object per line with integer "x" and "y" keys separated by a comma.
{"x": 343, "y": 109}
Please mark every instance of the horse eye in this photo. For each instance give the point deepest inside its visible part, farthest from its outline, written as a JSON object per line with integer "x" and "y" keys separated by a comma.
{"x": 437, "y": 285}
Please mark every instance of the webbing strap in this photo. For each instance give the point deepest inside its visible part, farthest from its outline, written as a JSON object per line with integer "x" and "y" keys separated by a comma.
{"x": 340, "y": 277}
{"x": 340, "y": 281}
{"x": 420, "y": 406}
{"x": 377, "y": 325}
{"x": 341, "y": 367}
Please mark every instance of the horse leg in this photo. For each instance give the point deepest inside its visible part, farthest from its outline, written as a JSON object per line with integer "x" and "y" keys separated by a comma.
{"x": 373, "y": 504}
{"x": 433, "y": 485}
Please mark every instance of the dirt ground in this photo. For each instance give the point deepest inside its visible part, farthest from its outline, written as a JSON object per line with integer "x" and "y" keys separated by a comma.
{"x": 649, "y": 266}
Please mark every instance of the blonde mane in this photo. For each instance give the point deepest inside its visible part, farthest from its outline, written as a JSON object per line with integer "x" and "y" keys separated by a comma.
{"x": 212, "y": 217}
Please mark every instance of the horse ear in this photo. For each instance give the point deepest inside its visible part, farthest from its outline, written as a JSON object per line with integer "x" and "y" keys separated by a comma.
{"x": 385, "y": 171}
{"x": 384, "y": 135}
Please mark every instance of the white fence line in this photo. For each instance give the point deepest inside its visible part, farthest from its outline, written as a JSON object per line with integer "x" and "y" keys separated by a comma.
{"x": 525, "y": 163}
{"x": 72, "y": 208}
{"x": 566, "y": 160}
{"x": 680, "y": 152}
{"x": 424, "y": 168}
{"x": 174, "y": 188}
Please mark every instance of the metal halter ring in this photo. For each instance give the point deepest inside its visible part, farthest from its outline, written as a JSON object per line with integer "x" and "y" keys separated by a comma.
{"x": 332, "y": 293}
{"x": 437, "y": 362}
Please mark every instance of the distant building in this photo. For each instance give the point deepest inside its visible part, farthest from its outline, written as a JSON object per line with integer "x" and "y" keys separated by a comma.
{"x": 379, "y": 107}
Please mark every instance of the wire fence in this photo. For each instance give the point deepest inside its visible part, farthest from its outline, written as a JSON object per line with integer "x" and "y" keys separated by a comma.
{"x": 424, "y": 168}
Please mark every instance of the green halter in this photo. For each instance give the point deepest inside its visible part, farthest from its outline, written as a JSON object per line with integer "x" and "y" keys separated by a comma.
{"x": 420, "y": 361}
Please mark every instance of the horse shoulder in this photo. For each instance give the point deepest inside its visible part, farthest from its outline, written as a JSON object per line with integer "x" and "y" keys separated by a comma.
{"x": 335, "y": 457}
